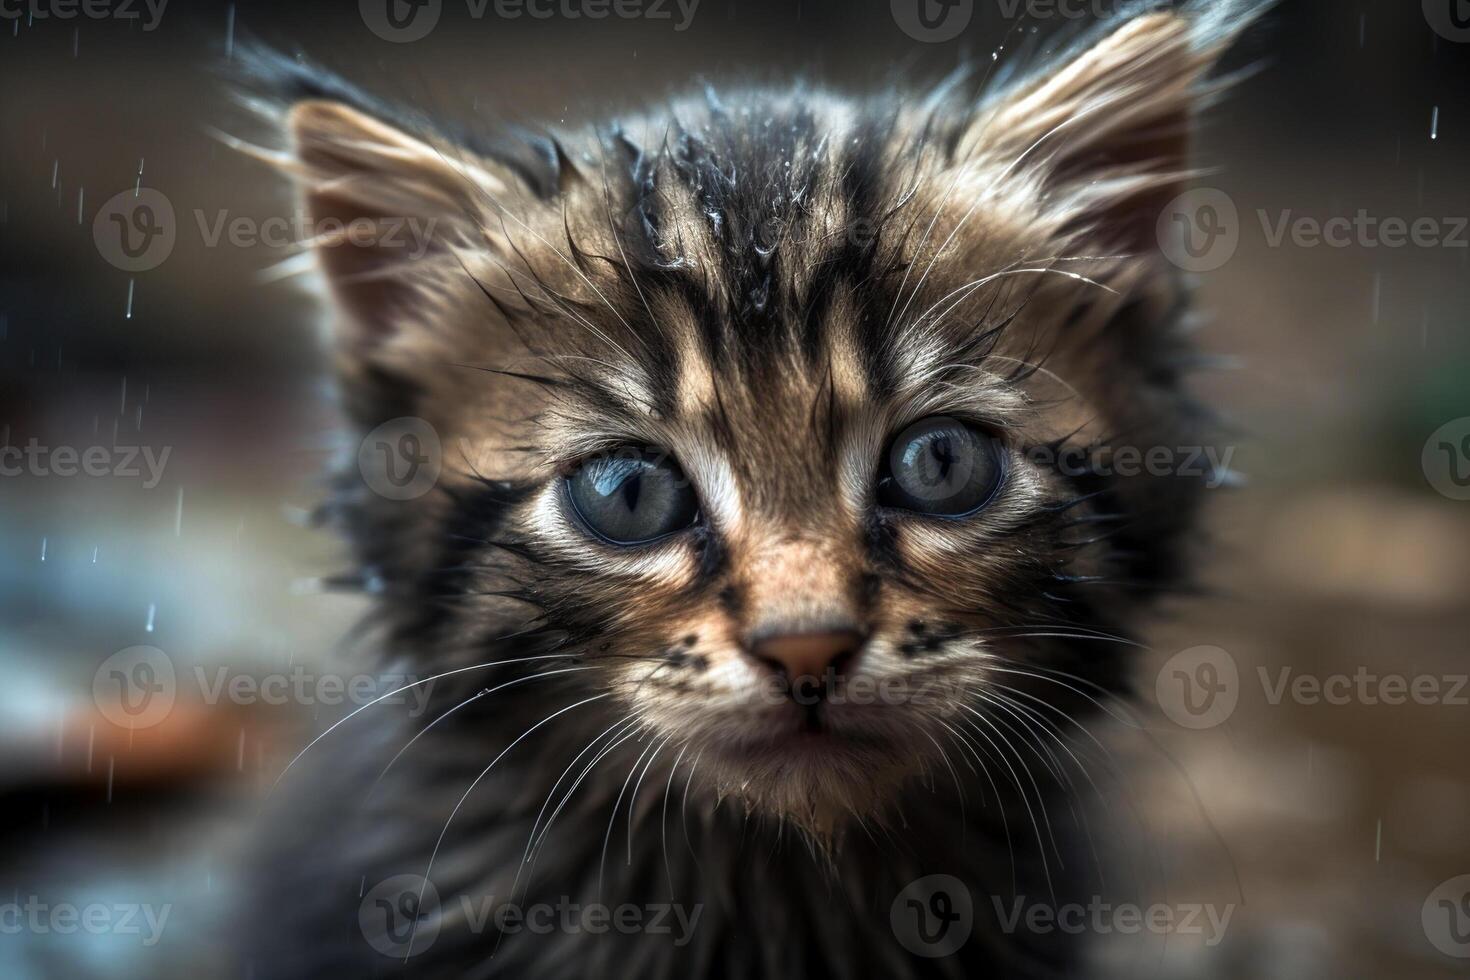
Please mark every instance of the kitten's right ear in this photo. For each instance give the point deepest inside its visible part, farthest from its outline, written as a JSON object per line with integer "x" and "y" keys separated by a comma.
{"x": 386, "y": 210}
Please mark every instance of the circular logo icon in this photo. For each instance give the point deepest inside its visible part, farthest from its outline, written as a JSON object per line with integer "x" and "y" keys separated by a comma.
{"x": 401, "y": 459}
{"x": 400, "y": 21}
{"x": 1199, "y": 231}
{"x": 135, "y": 230}
{"x": 399, "y": 916}
{"x": 933, "y": 916}
{"x": 934, "y": 21}
{"x": 1199, "y": 687}
{"x": 1449, "y": 18}
{"x": 1446, "y": 917}
{"x": 1446, "y": 459}
{"x": 136, "y": 687}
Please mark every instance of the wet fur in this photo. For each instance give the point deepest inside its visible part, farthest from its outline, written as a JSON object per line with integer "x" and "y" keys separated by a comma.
{"x": 770, "y": 284}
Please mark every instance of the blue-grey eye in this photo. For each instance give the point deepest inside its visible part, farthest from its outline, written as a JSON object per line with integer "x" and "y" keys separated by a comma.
{"x": 632, "y": 496}
{"x": 941, "y": 466}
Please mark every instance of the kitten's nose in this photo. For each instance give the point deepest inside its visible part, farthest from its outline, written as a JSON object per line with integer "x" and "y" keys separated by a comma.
{"x": 799, "y": 655}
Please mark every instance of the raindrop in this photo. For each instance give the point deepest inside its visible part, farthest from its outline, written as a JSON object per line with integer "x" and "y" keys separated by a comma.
{"x": 43, "y": 549}
{"x": 128, "y": 313}
{"x": 230, "y": 32}
{"x": 1434, "y": 124}
{"x": 152, "y": 612}
{"x": 179, "y": 515}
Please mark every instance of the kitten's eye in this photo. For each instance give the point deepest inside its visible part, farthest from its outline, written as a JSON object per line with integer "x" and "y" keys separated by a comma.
{"x": 632, "y": 496}
{"x": 941, "y": 466}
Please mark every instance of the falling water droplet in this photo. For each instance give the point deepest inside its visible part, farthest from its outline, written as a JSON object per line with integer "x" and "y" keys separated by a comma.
{"x": 43, "y": 549}
{"x": 128, "y": 313}
{"x": 1434, "y": 124}
{"x": 230, "y": 32}
{"x": 179, "y": 515}
{"x": 152, "y": 612}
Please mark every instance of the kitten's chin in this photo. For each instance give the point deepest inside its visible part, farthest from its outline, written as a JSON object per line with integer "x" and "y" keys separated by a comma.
{"x": 819, "y": 779}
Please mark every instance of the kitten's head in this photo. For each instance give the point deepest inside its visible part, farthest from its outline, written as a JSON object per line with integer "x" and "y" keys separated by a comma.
{"x": 779, "y": 411}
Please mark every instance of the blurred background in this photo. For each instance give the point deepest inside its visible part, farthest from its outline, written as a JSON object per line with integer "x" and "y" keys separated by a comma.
{"x": 169, "y": 550}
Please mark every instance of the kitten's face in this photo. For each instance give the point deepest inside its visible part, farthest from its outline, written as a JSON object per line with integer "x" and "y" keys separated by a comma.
{"x": 768, "y": 402}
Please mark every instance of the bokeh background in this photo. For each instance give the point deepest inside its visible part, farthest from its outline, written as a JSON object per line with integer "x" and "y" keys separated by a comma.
{"x": 1326, "y": 828}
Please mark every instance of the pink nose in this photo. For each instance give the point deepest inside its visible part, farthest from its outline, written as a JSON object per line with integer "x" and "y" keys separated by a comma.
{"x": 808, "y": 654}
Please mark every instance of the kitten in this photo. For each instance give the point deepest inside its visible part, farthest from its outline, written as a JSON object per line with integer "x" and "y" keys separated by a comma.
{"x": 756, "y": 571}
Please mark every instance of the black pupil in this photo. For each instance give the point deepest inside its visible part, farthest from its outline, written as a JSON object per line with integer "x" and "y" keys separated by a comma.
{"x": 631, "y": 497}
{"x": 940, "y": 466}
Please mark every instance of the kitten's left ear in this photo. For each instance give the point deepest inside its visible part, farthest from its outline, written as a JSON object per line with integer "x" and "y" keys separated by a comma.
{"x": 1105, "y": 137}
{"x": 405, "y": 197}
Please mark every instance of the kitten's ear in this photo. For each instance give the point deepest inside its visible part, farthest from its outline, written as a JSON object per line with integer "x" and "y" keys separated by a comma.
{"x": 383, "y": 206}
{"x": 1105, "y": 137}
